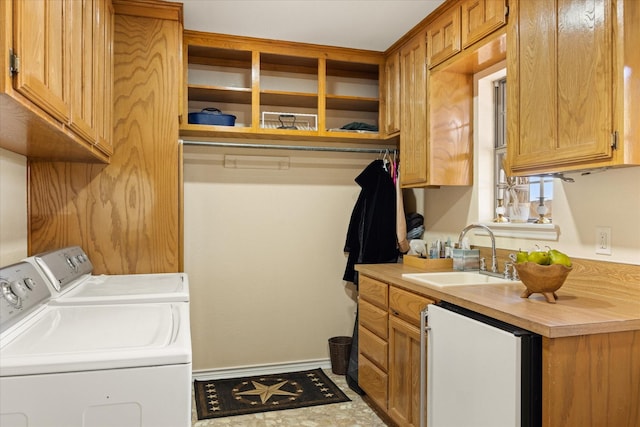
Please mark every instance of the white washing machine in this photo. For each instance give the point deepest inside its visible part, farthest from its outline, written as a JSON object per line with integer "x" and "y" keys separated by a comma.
{"x": 69, "y": 274}
{"x": 103, "y": 365}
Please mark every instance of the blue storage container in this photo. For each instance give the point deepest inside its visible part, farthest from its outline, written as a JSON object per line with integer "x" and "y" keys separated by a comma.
{"x": 212, "y": 116}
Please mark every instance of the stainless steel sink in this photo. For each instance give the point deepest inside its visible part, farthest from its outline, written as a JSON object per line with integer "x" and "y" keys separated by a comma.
{"x": 454, "y": 278}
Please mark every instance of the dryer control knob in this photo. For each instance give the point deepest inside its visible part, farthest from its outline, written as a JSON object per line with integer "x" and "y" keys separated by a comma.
{"x": 31, "y": 284}
{"x": 72, "y": 264}
{"x": 19, "y": 288}
{"x": 9, "y": 295}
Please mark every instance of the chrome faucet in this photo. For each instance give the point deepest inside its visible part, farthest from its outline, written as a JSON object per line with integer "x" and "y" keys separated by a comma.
{"x": 494, "y": 261}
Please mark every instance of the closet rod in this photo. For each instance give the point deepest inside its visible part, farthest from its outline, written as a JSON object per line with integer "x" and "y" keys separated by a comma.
{"x": 291, "y": 147}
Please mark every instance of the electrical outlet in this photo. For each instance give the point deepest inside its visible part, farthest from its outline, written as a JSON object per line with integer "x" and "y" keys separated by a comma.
{"x": 603, "y": 240}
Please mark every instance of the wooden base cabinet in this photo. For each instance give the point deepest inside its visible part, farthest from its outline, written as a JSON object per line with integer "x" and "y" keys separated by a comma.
{"x": 600, "y": 388}
{"x": 405, "y": 355}
{"x": 373, "y": 328}
{"x": 404, "y": 372}
{"x": 389, "y": 356}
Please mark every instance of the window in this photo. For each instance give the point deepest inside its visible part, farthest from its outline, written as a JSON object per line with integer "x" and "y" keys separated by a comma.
{"x": 521, "y": 196}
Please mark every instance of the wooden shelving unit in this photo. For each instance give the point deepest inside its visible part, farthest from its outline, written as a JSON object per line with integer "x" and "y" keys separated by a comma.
{"x": 248, "y": 76}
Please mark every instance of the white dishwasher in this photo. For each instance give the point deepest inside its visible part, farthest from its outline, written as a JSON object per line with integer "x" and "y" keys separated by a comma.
{"x": 480, "y": 372}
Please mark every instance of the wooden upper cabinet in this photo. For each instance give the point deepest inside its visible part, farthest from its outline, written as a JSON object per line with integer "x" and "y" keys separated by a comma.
{"x": 56, "y": 99}
{"x": 569, "y": 100}
{"x": 413, "y": 112}
{"x": 258, "y": 80}
{"x": 42, "y": 32}
{"x": 390, "y": 101}
{"x": 137, "y": 227}
{"x": 83, "y": 68}
{"x": 91, "y": 35}
{"x": 443, "y": 37}
{"x": 480, "y": 18}
{"x": 104, "y": 76}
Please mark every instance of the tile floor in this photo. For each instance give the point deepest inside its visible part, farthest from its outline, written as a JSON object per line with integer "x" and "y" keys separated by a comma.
{"x": 346, "y": 414}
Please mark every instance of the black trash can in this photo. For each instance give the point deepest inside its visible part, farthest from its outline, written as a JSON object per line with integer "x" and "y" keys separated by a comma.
{"x": 339, "y": 350}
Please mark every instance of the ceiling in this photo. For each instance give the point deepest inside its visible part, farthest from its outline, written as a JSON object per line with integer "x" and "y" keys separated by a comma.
{"x": 361, "y": 24}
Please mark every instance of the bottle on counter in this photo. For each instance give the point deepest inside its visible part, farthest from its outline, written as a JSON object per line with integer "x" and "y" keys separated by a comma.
{"x": 448, "y": 250}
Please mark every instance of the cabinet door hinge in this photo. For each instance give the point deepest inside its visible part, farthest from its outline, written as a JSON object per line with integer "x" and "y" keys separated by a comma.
{"x": 14, "y": 63}
{"x": 614, "y": 140}
{"x": 506, "y": 11}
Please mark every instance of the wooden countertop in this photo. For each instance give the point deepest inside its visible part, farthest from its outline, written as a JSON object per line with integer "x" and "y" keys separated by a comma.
{"x": 597, "y": 297}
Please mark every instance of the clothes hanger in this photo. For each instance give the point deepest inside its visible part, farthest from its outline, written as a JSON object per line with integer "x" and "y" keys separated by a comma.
{"x": 385, "y": 160}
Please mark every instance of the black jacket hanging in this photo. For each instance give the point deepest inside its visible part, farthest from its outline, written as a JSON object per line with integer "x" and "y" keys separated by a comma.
{"x": 371, "y": 236}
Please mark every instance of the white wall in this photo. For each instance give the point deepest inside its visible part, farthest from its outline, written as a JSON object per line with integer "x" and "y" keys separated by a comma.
{"x": 13, "y": 209}
{"x": 264, "y": 254}
{"x": 610, "y": 199}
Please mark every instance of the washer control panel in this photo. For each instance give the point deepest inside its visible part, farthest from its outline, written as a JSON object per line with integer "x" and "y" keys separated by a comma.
{"x": 22, "y": 289}
{"x": 63, "y": 266}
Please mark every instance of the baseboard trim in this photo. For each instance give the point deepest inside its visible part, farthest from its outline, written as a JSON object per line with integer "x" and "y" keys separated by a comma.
{"x": 248, "y": 371}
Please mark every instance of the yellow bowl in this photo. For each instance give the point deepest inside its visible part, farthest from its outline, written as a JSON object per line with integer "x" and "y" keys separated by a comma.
{"x": 544, "y": 279}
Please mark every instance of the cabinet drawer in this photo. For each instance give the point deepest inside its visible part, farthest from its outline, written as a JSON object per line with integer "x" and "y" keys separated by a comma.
{"x": 373, "y": 381}
{"x": 373, "y": 318}
{"x": 374, "y": 347}
{"x": 374, "y": 291}
{"x": 407, "y": 305}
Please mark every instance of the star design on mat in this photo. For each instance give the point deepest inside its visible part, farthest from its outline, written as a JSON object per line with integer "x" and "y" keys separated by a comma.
{"x": 266, "y": 391}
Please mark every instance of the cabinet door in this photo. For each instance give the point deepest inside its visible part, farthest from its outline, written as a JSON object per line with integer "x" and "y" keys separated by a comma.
{"x": 413, "y": 112}
{"x": 391, "y": 100}
{"x": 40, "y": 29}
{"x": 480, "y": 18}
{"x": 560, "y": 78}
{"x": 104, "y": 90}
{"x": 83, "y": 69}
{"x": 404, "y": 372}
{"x": 443, "y": 37}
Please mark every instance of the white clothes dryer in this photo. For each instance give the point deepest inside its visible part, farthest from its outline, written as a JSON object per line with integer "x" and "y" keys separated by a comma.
{"x": 100, "y": 365}
{"x": 69, "y": 275}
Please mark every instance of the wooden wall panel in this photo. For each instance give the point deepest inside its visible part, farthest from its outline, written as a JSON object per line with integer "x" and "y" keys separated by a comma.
{"x": 450, "y": 158}
{"x": 125, "y": 214}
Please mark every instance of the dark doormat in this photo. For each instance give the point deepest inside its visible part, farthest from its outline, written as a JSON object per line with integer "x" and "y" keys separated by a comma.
{"x": 240, "y": 396}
